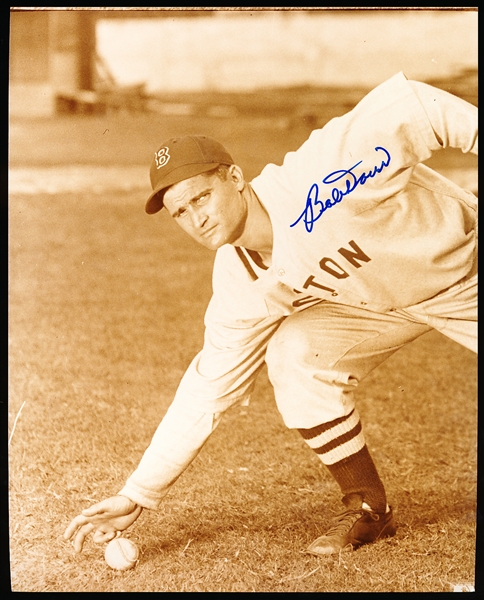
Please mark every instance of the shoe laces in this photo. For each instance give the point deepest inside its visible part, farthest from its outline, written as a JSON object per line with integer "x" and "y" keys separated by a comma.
{"x": 343, "y": 521}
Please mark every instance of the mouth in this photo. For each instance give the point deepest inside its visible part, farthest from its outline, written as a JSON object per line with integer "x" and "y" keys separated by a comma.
{"x": 207, "y": 232}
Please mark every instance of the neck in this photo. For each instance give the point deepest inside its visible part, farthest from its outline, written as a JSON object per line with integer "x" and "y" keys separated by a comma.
{"x": 257, "y": 234}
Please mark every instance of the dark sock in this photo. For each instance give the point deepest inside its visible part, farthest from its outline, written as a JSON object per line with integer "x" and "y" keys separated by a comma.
{"x": 359, "y": 481}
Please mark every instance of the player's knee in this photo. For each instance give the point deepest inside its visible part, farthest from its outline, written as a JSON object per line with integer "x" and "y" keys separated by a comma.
{"x": 291, "y": 347}
{"x": 307, "y": 390}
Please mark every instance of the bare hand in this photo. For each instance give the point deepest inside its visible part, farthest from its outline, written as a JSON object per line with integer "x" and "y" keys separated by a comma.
{"x": 104, "y": 519}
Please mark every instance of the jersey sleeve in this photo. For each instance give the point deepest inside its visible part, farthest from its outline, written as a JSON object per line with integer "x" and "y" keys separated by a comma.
{"x": 176, "y": 442}
{"x": 414, "y": 116}
{"x": 221, "y": 375}
{"x": 453, "y": 120}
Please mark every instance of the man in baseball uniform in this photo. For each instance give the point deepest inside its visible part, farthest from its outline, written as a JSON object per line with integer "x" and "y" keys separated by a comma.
{"x": 325, "y": 266}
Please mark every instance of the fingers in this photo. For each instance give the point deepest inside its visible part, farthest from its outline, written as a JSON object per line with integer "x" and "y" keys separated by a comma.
{"x": 105, "y": 518}
{"x": 80, "y": 528}
{"x": 80, "y": 536}
{"x": 84, "y": 518}
{"x": 100, "y": 537}
{"x": 74, "y": 525}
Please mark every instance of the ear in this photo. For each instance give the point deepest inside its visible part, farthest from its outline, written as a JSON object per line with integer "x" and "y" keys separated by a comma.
{"x": 236, "y": 175}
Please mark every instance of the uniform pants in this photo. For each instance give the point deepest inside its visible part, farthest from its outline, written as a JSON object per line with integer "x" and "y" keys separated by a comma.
{"x": 318, "y": 356}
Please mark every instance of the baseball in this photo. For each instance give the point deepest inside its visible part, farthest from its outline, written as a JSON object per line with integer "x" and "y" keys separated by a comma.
{"x": 121, "y": 554}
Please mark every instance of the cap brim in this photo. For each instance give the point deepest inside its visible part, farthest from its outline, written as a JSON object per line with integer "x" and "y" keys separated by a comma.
{"x": 155, "y": 200}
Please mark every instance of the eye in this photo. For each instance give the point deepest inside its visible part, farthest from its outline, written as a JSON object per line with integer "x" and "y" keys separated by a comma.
{"x": 202, "y": 199}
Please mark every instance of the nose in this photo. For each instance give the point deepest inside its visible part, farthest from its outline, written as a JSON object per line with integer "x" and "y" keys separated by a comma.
{"x": 198, "y": 218}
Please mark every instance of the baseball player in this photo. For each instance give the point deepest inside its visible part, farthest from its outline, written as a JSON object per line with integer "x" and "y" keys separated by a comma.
{"x": 325, "y": 266}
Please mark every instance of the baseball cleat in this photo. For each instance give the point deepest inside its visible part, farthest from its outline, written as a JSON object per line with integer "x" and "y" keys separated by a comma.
{"x": 353, "y": 528}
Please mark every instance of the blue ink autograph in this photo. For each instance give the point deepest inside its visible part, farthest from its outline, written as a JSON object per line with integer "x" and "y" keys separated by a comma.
{"x": 352, "y": 181}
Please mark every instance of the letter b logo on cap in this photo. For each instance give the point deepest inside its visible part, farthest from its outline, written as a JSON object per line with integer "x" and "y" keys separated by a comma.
{"x": 162, "y": 157}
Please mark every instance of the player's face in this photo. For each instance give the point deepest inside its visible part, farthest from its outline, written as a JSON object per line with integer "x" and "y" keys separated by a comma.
{"x": 212, "y": 211}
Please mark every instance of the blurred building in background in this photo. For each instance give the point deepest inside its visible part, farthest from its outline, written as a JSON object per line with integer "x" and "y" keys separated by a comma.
{"x": 85, "y": 59}
{"x": 50, "y": 52}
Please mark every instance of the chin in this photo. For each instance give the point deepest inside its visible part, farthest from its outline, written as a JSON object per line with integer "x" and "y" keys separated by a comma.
{"x": 211, "y": 244}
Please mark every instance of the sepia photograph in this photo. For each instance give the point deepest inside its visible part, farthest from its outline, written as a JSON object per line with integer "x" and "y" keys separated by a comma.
{"x": 242, "y": 299}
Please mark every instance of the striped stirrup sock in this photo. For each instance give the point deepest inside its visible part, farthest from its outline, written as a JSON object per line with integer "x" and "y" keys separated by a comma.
{"x": 340, "y": 444}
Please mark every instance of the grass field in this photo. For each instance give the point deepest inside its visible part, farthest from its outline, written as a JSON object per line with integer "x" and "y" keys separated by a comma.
{"x": 106, "y": 307}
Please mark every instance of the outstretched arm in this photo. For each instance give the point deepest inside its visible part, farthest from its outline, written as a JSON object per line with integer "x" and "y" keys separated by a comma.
{"x": 222, "y": 375}
{"x": 219, "y": 377}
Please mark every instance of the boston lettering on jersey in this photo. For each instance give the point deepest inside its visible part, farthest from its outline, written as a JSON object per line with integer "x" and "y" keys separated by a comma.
{"x": 355, "y": 257}
{"x": 306, "y": 300}
{"x": 351, "y": 181}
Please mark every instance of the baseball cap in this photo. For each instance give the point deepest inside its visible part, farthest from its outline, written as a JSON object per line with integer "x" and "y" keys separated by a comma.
{"x": 180, "y": 158}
